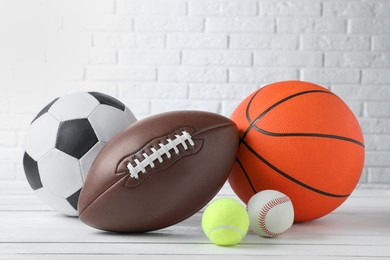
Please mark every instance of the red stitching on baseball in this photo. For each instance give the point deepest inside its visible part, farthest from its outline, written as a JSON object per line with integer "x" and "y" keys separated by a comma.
{"x": 264, "y": 211}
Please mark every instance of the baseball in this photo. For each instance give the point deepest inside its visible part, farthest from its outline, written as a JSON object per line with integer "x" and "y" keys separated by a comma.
{"x": 271, "y": 213}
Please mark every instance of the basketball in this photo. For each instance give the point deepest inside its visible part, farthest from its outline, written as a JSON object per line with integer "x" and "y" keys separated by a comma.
{"x": 302, "y": 140}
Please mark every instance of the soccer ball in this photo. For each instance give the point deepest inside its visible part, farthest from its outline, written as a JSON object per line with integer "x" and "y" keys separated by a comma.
{"x": 64, "y": 140}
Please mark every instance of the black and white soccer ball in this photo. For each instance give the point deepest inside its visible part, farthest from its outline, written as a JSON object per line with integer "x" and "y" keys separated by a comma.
{"x": 63, "y": 141}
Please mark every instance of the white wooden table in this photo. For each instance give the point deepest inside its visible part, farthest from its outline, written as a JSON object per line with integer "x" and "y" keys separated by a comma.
{"x": 360, "y": 228}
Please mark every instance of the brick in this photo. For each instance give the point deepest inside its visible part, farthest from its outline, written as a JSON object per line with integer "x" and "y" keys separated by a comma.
{"x": 364, "y": 177}
{"x": 264, "y": 42}
{"x": 349, "y": 9}
{"x": 86, "y": 39}
{"x": 331, "y": 75}
{"x": 14, "y": 121}
{"x": 376, "y": 158}
{"x": 382, "y": 9}
{"x": 185, "y": 74}
{"x": 197, "y": 41}
{"x": 356, "y": 107}
{"x": 6, "y": 73}
{"x": 21, "y": 137}
{"x": 7, "y": 171}
{"x": 153, "y": 90}
{"x": 140, "y": 108}
{"x": 240, "y": 24}
{"x": 30, "y": 105}
{"x": 359, "y": 92}
{"x": 228, "y": 107}
{"x": 3, "y": 105}
{"x": 379, "y": 175}
{"x": 99, "y": 56}
{"x": 357, "y": 59}
{"x": 335, "y": 42}
{"x": 168, "y": 24}
{"x": 289, "y": 8}
{"x": 159, "y": 106}
{"x": 261, "y": 75}
{"x": 57, "y": 89}
{"x": 151, "y": 7}
{"x": 222, "y": 7}
{"x": 9, "y": 154}
{"x": 377, "y": 142}
{"x": 20, "y": 175}
{"x": 375, "y": 125}
{"x": 128, "y": 40}
{"x": 150, "y": 57}
{"x": 29, "y": 88}
{"x": 99, "y": 7}
{"x": 220, "y": 58}
{"x": 310, "y": 25}
{"x": 108, "y": 22}
{"x": 120, "y": 74}
{"x": 370, "y": 26}
{"x": 375, "y": 76}
{"x": 7, "y": 138}
{"x": 377, "y": 109}
{"x": 287, "y": 59}
{"x": 381, "y": 42}
{"x": 221, "y": 91}
{"x": 48, "y": 72}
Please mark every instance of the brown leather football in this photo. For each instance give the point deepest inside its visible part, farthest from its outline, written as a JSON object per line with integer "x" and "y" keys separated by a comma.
{"x": 159, "y": 171}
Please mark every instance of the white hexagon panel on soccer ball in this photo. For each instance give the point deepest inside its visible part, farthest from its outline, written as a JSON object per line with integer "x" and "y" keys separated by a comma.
{"x": 41, "y": 136}
{"x": 108, "y": 121}
{"x": 73, "y": 106}
{"x": 88, "y": 158}
{"x": 60, "y": 173}
{"x": 56, "y": 202}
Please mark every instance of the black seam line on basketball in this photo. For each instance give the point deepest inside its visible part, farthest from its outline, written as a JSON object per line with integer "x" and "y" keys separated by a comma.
{"x": 249, "y": 104}
{"x": 291, "y": 178}
{"x": 246, "y": 175}
{"x": 309, "y": 135}
{"x": 275, "y": 105}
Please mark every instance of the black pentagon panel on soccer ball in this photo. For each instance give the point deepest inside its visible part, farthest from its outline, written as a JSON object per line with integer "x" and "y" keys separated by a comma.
{"x": 32, "y": 172}
{"x": 76, "y": 137}
{"x": 108, "y": 100}
{"x": 44, "y": 110}
{"x": 74, "y": 198}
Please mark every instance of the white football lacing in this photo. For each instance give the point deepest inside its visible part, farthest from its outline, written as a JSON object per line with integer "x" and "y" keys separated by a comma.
{"x": 157, "y": 154}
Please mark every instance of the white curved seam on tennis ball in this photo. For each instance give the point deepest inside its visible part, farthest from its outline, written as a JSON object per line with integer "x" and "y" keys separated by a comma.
{"x": 229, "y": 227}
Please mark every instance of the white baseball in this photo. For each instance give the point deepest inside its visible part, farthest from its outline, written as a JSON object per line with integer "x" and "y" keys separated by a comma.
{"x": 271, "y": 213}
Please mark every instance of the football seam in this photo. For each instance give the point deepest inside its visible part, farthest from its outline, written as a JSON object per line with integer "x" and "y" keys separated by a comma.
{"x": 151, "y": 140}
{"x": 125, "y": 176}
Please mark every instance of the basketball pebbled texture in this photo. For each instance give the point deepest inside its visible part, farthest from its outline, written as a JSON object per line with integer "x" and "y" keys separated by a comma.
{"x": 113, "y": 199}
{"x": 302, "y": 140}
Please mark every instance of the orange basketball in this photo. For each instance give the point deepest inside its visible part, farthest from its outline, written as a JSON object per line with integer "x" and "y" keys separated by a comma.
{"x": 302, "y": 140}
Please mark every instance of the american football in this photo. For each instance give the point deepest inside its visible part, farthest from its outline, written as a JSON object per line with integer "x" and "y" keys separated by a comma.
{"x": 159, "y": 171}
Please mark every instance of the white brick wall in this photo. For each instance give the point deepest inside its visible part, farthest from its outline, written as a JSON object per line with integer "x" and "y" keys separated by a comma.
{"x": 161, "y": 55}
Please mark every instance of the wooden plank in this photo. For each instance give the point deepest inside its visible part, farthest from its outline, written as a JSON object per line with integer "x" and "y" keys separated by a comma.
{"x": 195, "y": 249}
{"x": 368, "y": 227}
{"x": 163, "y": 257}
{"x": 30, "y": 230}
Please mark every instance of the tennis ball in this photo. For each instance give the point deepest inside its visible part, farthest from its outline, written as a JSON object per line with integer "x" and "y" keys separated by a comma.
{"x": 225, "y": 222}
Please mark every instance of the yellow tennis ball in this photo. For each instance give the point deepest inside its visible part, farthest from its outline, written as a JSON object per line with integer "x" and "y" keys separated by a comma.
{"x": 225, "y": 222}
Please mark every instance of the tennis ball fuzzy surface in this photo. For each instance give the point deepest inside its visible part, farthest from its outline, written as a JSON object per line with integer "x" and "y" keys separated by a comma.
{"x": 225, "y": 222}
